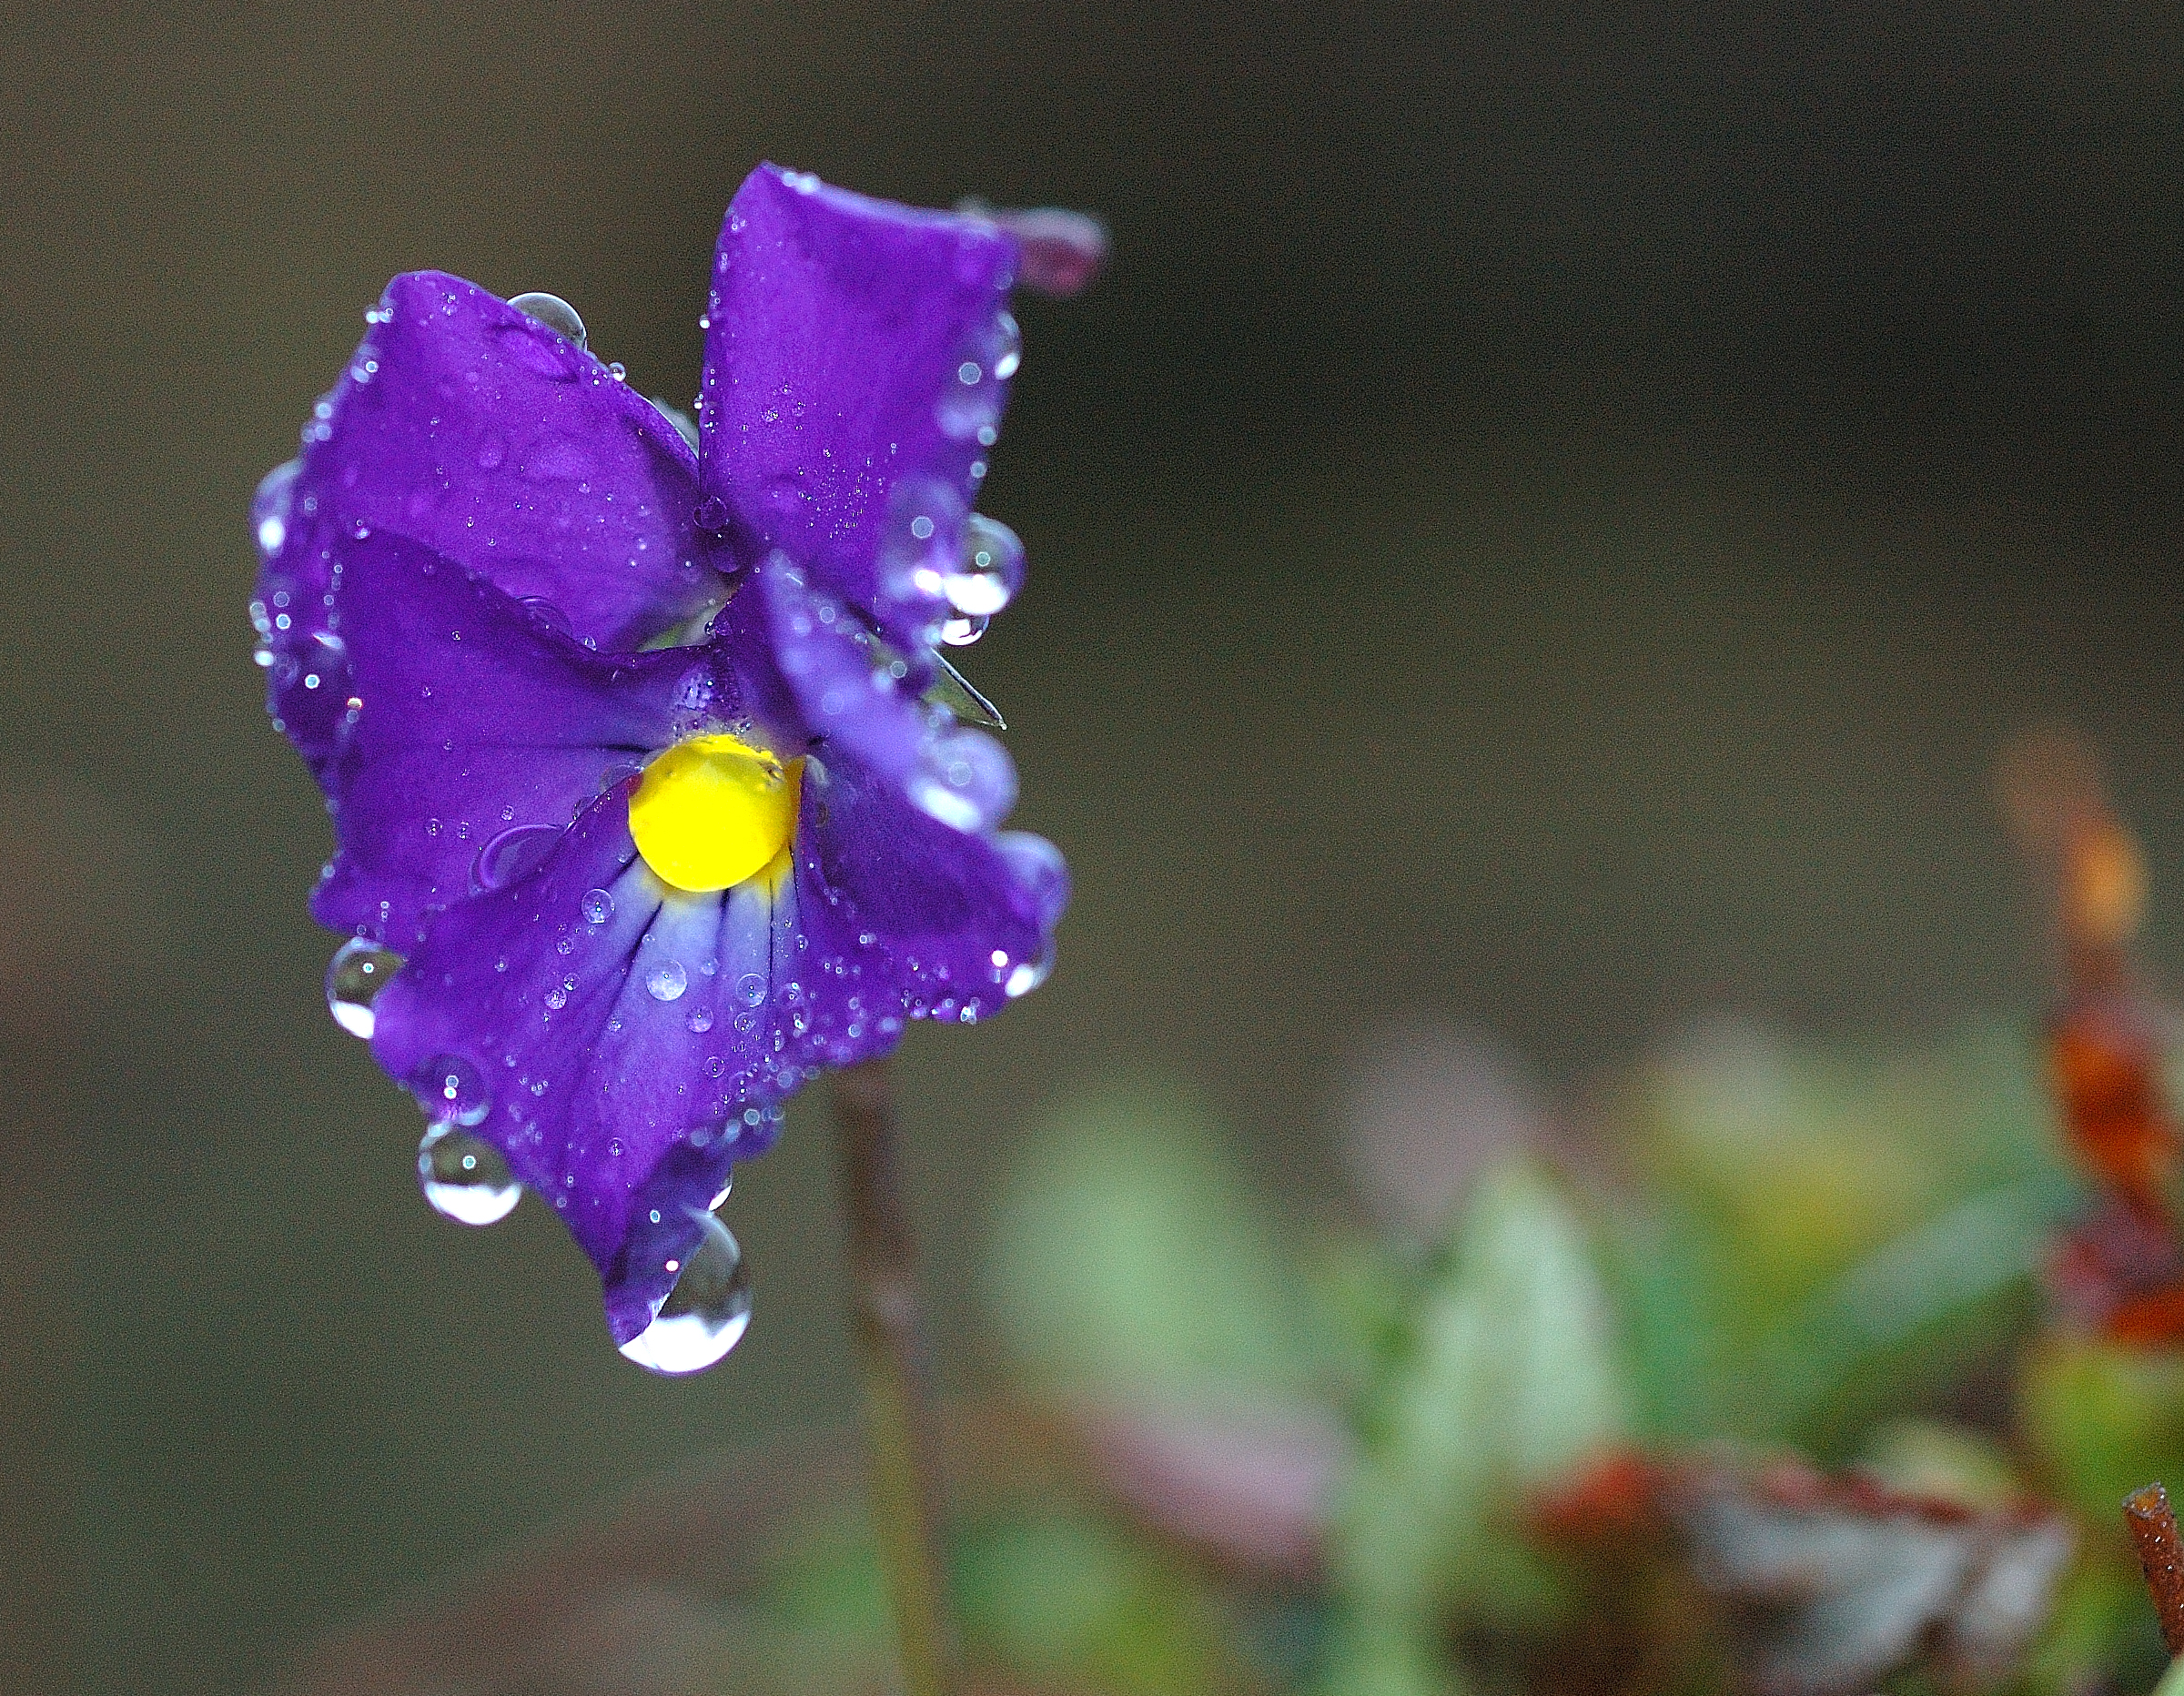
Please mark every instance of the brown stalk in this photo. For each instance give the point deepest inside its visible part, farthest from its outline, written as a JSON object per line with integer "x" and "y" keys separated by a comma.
{"x": 2153, "y": 1527}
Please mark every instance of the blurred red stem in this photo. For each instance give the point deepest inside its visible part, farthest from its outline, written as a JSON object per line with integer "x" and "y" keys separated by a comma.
{"x": 907, "y": 1497}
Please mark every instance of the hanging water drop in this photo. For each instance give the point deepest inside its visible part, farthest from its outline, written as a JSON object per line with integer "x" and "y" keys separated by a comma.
{"x": 552, "y": 311}
{"x": 1005, "y": 347}
{"x": 451, "y": 1089}
{"x": 464, "y": 1178}
{"x": 992, "y": 569}
{"x": 962, "y": 632}
{"x": 667, "y": 980}
{"x": 705, "y": 1314}
{"x": 354, "y": 977}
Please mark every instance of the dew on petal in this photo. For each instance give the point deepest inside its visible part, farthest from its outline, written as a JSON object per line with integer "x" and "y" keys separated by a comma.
{"x": 354, "y": 977}
{"x": 512, "y": 855}
{"x": 667, "y": 980}
{"x": 451, "y": 1089}
{"x": 598, "y": 906}
{"x": 552, "y": 311}
{"x": 991, "y": 572}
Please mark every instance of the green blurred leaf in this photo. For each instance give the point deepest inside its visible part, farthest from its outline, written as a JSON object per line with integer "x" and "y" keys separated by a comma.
{"x": 1130, "y": 1259}
{"x": 1056, "y": 1596}
{"x": 1831, "y": 1231}
{"x": 1508, "y": 1376}
{"x": 1062, "y": 1597}
{"x": 2105, "y": 1418}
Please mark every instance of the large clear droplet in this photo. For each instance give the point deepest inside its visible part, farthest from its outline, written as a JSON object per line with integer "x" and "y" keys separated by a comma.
{"x": 464, "y": 1178}
{"x": 667, "y": 980}
{"x": 354, "y": 977}
{"x": 706, "y": 1313}
{"x": 552, "y": 311}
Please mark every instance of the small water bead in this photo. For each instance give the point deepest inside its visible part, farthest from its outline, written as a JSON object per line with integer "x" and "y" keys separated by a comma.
{"x": 699, "y": 1020}
{"x": 552, "y": 311}
{"x": 354, "y": 977}
{"x": 464, "y": 1178}
{"x": 1004, "y": 348}
{"x": 451, "y": 1089}
{"x": 706, "y": 1313}
{"x": 269, "y": 508}
{"x": 667, "y": 980}
{"x": 598, "y": 906}
{"x": 750, "y": 989}
{"x": 512, "y": 855}
{"x": 544, "y": 614}
{"x": 992, "y": 569}
{"x": 1028, "y": 976}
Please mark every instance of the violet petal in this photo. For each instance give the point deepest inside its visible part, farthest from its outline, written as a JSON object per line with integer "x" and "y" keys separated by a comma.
{"x": 857, "y": 357}
{"x": 470, "y": 718}
{"x": 465, "y": 425}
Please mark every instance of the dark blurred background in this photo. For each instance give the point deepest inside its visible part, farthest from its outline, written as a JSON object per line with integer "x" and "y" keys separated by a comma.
{"x": 1547, "y": 523}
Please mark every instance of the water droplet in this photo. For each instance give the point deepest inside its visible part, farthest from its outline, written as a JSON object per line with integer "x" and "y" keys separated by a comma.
{"x": 1003, "y": 350}
{"x": 727, "y": 1184}
{"x": 1028, "y": 976}
{"x": 552, "y": 311}
{"x": 706, "y": 1313}
{"x": 992, "y": 569}
{"x": 269, "y": 507}
{"x": 354, "y": 977}
{"x": 963, "y": 633}
{"x": 512, "y": 855}
{"x": 598, "y": 906}
{"x": 618, "y": 370}
{"x": 544, "y": 614}
{"x": 451, "y": 1089}
{"x": 750, "y": 988}
{"x": 464, "y": 1178}
{"x": 699, "y": 1020}
{"x": 667, "y": 980}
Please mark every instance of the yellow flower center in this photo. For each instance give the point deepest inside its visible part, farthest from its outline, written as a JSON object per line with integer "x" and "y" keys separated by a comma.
{"x": 712, "y": 812}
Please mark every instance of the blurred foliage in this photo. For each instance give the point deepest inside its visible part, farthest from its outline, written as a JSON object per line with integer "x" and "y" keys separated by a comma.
{"x": 1131, "y": 1260}
{"x": 1824, "y": 1254}
{"x": 1502, "y": 1377}
{"x": 1748, "y": 1383}
{"x": 1823, "y": 1236}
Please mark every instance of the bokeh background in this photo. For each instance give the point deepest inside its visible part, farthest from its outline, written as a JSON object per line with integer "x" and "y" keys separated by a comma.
{"x": 1546, "y": 524}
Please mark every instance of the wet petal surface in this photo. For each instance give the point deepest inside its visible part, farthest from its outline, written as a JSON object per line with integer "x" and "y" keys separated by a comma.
{"x": 474, "y": 429}
{"x": 857, "y": 361}
{"x": 470, "y": 725}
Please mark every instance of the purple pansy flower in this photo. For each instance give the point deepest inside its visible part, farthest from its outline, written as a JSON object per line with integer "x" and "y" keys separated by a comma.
{"x": 648, "y": 802}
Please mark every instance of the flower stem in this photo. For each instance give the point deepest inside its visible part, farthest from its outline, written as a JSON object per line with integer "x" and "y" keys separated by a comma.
{"x": 907, "y": 1497}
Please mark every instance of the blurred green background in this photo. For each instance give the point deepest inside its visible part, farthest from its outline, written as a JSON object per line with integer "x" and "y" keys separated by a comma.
{"x": 1546, "y": 522}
